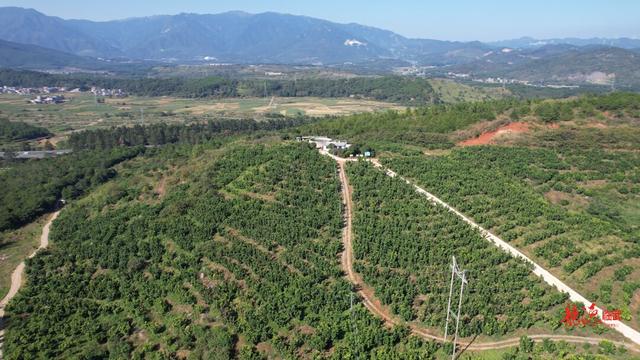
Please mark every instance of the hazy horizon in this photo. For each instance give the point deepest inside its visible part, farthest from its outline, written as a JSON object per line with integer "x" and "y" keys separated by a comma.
{"x": 489, "y": 21}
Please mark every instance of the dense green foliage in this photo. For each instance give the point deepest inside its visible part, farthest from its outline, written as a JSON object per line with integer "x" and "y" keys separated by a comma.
{"x": 403, "y": 245}
{"x": 239, "y": 259}
{"x": 424, "y": 126}
{"x": 32, "y": 188}
{"x": 17, "y": 131}
{"x": 388, "y": 88}
{"x": 534, "y": 92}
{"x": 431, "y": 127}
{"x": 160, "y": 134}
{"x": 589, "y": 227}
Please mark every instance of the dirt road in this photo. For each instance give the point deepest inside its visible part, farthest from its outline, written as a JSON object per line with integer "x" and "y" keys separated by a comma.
{"x": 376, "y": 307}
{"x": 16, "y": 276}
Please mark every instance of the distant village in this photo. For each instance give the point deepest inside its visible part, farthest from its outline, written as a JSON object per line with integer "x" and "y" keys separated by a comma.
{"x": 54, "y": 94}
{"x": 426, "y": 71}
{"x": 53, "y": 99}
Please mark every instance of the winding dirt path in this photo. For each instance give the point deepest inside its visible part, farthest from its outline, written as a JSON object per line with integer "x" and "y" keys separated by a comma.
{"x": 16, "y": 275}
{"x": 377, "y": 308}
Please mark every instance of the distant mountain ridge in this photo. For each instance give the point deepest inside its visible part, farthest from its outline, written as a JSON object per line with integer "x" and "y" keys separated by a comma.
{"x": 228, "y": 37}
{"x": 28, "y": 26}
{"x": 16, "y": 55}
{"x": 560, "y": 64}
{"x": 34, "y": 40}
{"x": 529, "y": 42}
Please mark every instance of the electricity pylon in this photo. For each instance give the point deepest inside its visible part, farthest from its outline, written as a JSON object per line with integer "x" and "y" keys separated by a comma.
{"x": 461, "y": 274}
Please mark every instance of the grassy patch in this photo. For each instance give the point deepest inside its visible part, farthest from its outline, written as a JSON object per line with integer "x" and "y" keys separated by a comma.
{"x": 15, "y": 246}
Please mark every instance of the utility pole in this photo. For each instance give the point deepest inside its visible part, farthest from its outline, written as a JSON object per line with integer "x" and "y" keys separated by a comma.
{"x": 295, "y": 84}
{"x": 142, "y": 116}
{"x": 462, "y": 275}
{"x": 613, "y": 83}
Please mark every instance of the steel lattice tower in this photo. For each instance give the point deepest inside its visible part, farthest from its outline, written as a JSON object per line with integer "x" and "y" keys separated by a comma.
{"x": 461, "y": 274}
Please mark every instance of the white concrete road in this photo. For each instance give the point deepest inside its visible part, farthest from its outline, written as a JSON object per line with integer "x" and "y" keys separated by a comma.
{"x": 549, "y": 278}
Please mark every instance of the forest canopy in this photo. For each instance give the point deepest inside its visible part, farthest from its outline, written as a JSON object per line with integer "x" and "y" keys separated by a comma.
{"x": 386, "y": 88}
{"x": 18, "y": 131}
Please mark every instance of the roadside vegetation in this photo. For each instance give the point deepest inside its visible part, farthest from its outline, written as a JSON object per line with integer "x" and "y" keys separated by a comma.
{"x": 404, "y": 245}
{"x": 236, "y": 256}
{"x": 15, "y": 246}
{"x": 574, "y": 210}
{"x": 162, "y": 134}
{"x": 213, "y": 241}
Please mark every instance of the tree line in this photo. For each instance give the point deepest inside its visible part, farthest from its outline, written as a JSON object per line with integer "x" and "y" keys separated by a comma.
{"x": 386, "y": 88}
{"x": 161, "y": 133}
{"x": 34, "y": 187}
{"x": 20, "y": 131}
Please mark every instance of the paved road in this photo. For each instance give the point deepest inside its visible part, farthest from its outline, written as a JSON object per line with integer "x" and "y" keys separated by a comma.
{"x": 16, "y": 276}
{"x": 40, "y": 154}
{"x": 549, "y": 278}
{"x": 377, "y": 308}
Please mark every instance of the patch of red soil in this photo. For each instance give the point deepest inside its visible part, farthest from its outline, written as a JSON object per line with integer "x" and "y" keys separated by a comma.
{"x": 487, "y": 138}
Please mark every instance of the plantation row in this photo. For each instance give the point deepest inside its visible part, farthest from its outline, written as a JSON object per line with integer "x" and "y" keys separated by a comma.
{"x": 403, "y": 245}
{"x": 238, "y": 259}
{"x": 507, "y": 190}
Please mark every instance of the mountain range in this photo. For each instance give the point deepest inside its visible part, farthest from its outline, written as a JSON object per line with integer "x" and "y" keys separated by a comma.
{"x": 35, "y": 40}
{"x": 560, "y": 64}
{"x": 228, "y": 37}
{"x": 236, "y": 37}
{"x": 26, "y": 56}
{"x": 529, "y": 42}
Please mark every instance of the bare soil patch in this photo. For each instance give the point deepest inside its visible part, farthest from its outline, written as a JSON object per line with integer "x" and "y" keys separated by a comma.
{"x": 161, "y": 189}
{"x": 556, "y": 197}
{"x": 592, "y": 183}
{"x": 488, "y": 137}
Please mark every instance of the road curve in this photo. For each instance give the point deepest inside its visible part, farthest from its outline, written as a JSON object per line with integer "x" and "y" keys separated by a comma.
{"x": 372, "y": 304}
{"x": 549, "y": 278}
{"x": 16, "y": 275}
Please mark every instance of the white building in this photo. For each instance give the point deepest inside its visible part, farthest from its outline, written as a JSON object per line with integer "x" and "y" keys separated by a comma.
{"x": 325, "y": 143}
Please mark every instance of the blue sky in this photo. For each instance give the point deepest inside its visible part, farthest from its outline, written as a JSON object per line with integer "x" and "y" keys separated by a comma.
{"x": 445, "y": 19}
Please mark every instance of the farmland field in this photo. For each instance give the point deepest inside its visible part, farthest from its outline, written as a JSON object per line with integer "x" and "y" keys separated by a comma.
{"x": 82, "y": 111}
